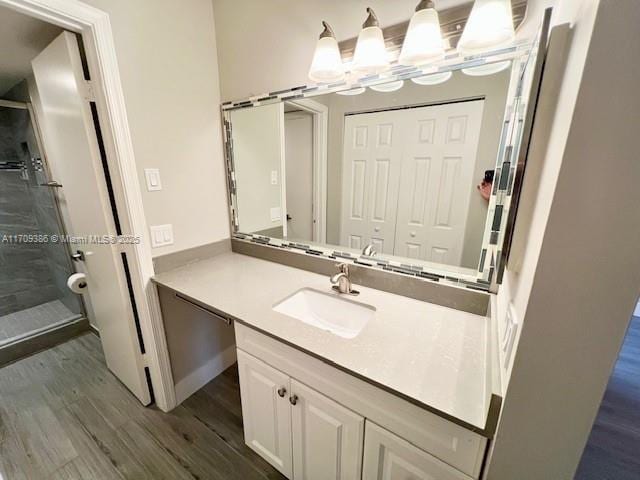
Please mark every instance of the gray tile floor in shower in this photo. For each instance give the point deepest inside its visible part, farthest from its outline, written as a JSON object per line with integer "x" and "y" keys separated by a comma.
{"x": 32, "y": 319}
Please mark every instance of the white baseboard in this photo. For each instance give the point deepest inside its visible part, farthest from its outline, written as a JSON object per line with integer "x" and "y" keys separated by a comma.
{"x": 204, "y": 374}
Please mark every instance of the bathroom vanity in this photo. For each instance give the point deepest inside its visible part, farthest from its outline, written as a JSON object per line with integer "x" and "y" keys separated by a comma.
{"x": 403, "y": 186}
{"x": 409, "y": 387}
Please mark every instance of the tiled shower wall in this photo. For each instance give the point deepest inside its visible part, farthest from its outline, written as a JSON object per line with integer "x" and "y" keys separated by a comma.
{"x": 30, "y": 273}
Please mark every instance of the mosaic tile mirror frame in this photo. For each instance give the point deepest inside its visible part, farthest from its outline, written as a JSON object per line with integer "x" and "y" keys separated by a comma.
{"x": 521, "y": 96}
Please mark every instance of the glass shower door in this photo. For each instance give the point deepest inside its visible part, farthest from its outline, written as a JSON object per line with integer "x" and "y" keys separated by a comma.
{"x": 34, "y": 262}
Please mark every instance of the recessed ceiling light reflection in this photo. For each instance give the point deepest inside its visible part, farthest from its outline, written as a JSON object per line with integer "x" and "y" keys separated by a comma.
{"x": 487, "y": 69}
{"x": 353, "y": 91}
{"x": 388, "y": 87}
{"x": 433, "y": 79}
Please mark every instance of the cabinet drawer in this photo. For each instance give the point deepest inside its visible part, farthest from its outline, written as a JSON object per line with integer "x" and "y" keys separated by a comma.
{"x": 451, "y": 443}
{"x": 389, "y": 457}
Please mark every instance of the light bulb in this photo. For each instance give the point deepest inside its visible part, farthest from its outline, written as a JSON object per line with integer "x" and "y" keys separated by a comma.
{"x": 490, "y": 25}
{"x": 423, "y": 42}
{"x": 326, "y": 66}
{"x": 370, "y": 56}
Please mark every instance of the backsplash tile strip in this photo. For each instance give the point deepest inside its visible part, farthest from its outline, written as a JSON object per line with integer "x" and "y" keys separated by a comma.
{"x": 448, "y": 292}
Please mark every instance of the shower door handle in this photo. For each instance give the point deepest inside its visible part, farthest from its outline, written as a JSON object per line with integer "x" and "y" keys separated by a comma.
{"x": 52, "y": 184}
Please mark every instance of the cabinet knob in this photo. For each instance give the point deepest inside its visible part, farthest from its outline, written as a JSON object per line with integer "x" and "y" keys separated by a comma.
{"x": 282, "y": 391}
{"x": 293, "y": 399}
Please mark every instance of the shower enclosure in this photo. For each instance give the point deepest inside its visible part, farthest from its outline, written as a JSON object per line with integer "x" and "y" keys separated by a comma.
{"x": 34, "y": 262}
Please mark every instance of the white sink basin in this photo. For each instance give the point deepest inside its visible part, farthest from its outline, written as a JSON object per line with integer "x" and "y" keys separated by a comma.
{"x": 338, "y": 315}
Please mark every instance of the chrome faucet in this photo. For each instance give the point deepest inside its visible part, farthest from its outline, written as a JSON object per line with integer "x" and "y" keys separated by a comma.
{"x": 368, "y": 250}
{"x": 341, "y": 281}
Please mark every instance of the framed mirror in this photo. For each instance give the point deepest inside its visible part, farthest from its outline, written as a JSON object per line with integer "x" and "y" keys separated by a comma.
{"x": 411, "y": 171}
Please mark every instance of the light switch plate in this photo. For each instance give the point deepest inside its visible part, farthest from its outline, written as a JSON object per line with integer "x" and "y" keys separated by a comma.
{"x": 275, "y": 214}
{"x": 152, "y": 176}
{"x": 161, "y": 235}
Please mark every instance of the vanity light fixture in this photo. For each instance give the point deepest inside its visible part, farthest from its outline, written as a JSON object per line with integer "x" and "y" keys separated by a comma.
{"x": 388, "y": 87}
{"x": 433, "y": 78}
{"x": 490, "y": 26}
{"x": 370, "y": 56}
{"x": 326, "y": 66}
{"x": 352, "y": 91}
{"x": 423, "y": 42}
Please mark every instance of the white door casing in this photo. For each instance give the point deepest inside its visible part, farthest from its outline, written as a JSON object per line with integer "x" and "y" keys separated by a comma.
{"x": 266, "y": 415}
{"x": 298, "y": 128}
{"x": 327, "y": 437}
{"x": 372, "y": 153}
{"x": 69, "y": 138}
{"x": 438, "y": 163}
{"x": 408, "y": 179}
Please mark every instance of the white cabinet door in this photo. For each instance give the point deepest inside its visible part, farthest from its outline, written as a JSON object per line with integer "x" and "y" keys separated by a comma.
{"x": 389, "y": 457}
{"x": 266, "y": 411}
{"x": 327, "y": 438}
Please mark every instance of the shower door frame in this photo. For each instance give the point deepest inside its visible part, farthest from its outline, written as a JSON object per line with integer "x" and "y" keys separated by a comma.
{"x": 63, "y": 230}
{"x": 95, "y": 28}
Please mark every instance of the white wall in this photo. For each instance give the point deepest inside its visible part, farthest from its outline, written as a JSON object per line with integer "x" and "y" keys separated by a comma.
{"x": 272, "y": 46}
{"x": 167, "y": 58}
{"x": 575, "y": 284}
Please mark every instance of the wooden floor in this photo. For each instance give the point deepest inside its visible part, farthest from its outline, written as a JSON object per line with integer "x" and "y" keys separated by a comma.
{"x": 64, "y": 416}
{"x": 613, "y": 450}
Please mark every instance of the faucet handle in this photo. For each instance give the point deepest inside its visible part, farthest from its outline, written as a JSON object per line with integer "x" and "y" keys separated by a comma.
{"x": 343, "y": 268}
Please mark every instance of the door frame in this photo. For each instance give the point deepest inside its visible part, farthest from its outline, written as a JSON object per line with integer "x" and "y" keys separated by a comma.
{"x": 95, "y": 28}
{"x": 320, "y": 114}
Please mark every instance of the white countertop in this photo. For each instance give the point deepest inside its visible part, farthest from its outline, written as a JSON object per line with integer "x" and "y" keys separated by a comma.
{"x": 432, "y": 354}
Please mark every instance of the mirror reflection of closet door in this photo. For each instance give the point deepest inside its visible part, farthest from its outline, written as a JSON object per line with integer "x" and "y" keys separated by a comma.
{"x": 407, "y": 180}
{"x": 438, "y": 163}
{"x": 372, "y": 154}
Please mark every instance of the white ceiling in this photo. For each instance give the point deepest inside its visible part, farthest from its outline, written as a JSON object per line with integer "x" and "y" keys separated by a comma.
{"x": 21, "y": 39}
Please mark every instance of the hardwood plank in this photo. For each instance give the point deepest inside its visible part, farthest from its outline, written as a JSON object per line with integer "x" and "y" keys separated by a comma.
{"x": 95, "y": 459}
{"x": 614, "y": 443}
{"x": 44, "y": 439}
{"x": 201, "y": 449}
{"x": 77, "y": 421}
{"x": 14, "y": 463}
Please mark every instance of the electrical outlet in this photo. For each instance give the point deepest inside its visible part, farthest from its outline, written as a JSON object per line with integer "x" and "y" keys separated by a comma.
{"x": 161, "y": 235}
{"x": 276, "y": 214}
{"x": 274, "y": 177}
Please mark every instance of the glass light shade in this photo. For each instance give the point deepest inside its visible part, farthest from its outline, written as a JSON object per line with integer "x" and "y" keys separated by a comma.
{"x": 370, "y": 56}
{"x": 433, "y": 79}
{"x": 353, "y": 91}
{"x": 388, "y": 87}
{"x": 326, "y": 66}
{"x": 487, "y": 69}
{"x": 490, "y": 25}
{"x": 423, "y": 41}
